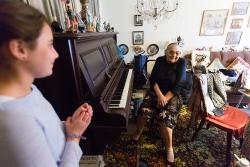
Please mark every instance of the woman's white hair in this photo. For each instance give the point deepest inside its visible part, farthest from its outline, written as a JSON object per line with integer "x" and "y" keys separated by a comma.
{"x": 171, "y": 44}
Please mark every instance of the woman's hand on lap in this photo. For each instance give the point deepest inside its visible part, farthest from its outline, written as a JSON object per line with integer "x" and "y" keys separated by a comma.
{"x": 161, "y": 101}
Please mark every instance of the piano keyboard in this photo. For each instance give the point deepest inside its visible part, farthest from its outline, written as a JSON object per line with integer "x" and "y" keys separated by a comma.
{"x": 120, "y": 96}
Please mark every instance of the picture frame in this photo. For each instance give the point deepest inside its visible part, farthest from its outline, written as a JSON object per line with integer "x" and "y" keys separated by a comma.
{"x": 233, "y": 38}
{"x": 138, "y": 37}
{"x": 138, "y": 21}
{"x": 152, "y": 49}
{"x": 213, "y": 22}
{"x": 240, "y": 8}
{"x": 236, "y": 23}
{"x": 123, "y": 49}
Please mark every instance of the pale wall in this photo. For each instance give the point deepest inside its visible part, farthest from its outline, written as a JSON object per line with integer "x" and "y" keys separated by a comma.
{"x": 186, "y": 23}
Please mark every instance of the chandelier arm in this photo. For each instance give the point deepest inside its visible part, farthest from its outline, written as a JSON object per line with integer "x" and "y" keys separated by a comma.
{"x": 176, "y": 7}
{"x": 171, "y": 10}
{"x": 162, "y": 10}
{"x": 140, "y": 12}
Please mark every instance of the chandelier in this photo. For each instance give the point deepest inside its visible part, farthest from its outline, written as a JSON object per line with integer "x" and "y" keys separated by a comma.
{"x": 155, "y": 11}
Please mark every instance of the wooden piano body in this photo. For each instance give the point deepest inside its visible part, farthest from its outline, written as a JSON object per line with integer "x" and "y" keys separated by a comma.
{"x": 89, "y": 70}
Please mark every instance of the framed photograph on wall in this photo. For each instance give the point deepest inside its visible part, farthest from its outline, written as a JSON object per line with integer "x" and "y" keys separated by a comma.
{"x": 138, "y": 21}
{"x": 233, "y": 38}
{"x": 138, "y": 37}
{"x": 236, "y": 23}
{"x": 240, "y": 8}
{"x": 213, "y": 22}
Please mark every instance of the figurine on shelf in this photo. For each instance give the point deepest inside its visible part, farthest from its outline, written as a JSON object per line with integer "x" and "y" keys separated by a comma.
{"x": 84, "y": 15}
{"x": 81, "y": 25}
{"x": 98, "y": 25}
{"x": 87, "y": 16}
{"x": 90, "y": 22}
{"x": 107, "y": 27}
{"x": 67, "y": 22}
{"x": 94, "y": 23}
{"x": 71, "y": 21}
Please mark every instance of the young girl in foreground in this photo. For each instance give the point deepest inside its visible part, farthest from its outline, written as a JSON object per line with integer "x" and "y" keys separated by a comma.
{"x": 31, "y": 134}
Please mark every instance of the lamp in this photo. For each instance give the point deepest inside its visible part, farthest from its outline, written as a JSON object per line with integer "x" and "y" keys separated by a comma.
{"x": 156, "y": 10}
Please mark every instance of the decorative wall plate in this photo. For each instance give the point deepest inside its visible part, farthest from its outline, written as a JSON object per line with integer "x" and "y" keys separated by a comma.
{"x": 152, "y": 49}
{"x": 123, "y": 48}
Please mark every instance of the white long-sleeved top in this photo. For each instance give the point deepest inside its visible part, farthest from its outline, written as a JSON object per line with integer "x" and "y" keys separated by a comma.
{"x": 32, "y": 135}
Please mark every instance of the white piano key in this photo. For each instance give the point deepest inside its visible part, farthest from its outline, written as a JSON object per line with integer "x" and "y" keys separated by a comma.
{"x": 123, "y": 100}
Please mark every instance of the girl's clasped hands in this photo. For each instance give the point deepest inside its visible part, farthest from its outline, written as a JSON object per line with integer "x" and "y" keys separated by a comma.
{"x": 78, "y": 122}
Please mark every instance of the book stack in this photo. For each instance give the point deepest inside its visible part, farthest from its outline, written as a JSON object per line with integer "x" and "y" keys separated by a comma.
{"x": 92, "y": 161}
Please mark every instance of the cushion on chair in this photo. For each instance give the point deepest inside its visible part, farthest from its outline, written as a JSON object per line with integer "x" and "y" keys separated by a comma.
{"x": 239, "y": 65}
{"x": 228, "y": 57}
{"x": 233, "y": 121}
{"x": 216, "y": 65}
{"x": 214, "y": 55}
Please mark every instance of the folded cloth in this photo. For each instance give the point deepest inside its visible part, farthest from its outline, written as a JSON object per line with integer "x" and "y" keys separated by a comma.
{"x": 229, "y": 72}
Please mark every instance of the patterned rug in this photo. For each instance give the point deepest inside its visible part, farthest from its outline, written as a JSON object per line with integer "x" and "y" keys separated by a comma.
{"x": 208, "y": 149}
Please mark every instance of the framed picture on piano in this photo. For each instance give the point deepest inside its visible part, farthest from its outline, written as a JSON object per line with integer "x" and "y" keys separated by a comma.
{"x": 138, "y": 37}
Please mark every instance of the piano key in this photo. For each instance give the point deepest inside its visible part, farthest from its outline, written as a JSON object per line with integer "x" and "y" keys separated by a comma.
{"x": 115, "y": 101}
{"x": 113, "y": 105}
{"x": 124, "y": 96}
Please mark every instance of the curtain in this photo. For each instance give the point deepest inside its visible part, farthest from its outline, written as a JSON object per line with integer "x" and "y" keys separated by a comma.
{"x": 94, "y": 8}
{"x": 56, "y": 9}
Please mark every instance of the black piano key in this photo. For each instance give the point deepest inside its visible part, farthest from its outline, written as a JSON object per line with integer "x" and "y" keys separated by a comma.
{"x": 120, "y": 86}
{"x": 116, "y": 98}
{"x": 115, "y": 102}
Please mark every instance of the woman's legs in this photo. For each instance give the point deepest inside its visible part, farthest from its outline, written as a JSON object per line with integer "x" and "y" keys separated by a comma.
{"x": 145, "y": 113}
{"x": 168, "y": 117}
{"x": 141, "y": 121}
{"x": 167, "y": 138}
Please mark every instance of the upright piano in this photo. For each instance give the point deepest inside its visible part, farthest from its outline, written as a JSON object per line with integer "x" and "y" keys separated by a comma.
{"x": 89, "y": 70}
